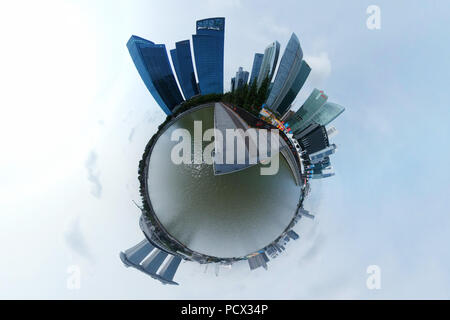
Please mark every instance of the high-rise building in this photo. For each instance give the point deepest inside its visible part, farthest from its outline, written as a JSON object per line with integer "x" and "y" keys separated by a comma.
{"x": 257, "y": 61}
{"x": 314, "y": 141}
{"x": 319, "y": 156}
{"x": 152, "y": 62}
{"x": 304, "y": 116}
{"x": 241, "y": 78}
{"x": 233, "y": 84}
{"x": 298, "y": 83}
{"x": 327, "y": 113}
{"x": 182, "y": 62}
{"x": 269, "y": 62}
{"x": 209, "y": 52}
{"x": 288, "y": 70}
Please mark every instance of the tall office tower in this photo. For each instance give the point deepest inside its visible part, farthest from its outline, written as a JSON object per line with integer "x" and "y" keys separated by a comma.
{"x": 182, "y": 62}
{"x": 319, "y": 156}
{"x": 233, "y": 84}
{"x": 321, "y": 175}
{"x": 303, "y": 117}
{"x": 269, "y": 62}
{"x": 152, "y": 62}
{"x": 287, "y": 115}
{"x": 208, "y": 52}
{"x": 298, "y": 83}
{"x": 241, "y": 78}
{"x": 327, "y": 113}
{"x": 314, "y": 141}
{"x": 290, "y": 65}
{"x": 332, "y": 131}
{"x": 257, "y": 61}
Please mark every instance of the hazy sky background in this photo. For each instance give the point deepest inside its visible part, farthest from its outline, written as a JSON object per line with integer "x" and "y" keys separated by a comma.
{"x": 76, "y": 117}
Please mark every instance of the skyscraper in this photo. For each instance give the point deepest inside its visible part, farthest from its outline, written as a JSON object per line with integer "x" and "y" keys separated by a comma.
{"x": 269, "y": 62}
{"x": 288, "y": 70}
{"x": 304, "y": 116}
{"x": 233, "y": 84}
{"x": 182, "y": 62}
{"x": 241, "y": 78}
{"x": 257, "y": 61}
{"x": 315, "y": 141}
{"x": 327, "y": 113}
{"x": 302, "y": 75}
{"x": 208, "y": 51}
{"x": 152, "y": 62}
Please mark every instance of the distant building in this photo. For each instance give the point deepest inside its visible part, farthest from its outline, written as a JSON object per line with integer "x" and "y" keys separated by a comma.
{"x": 152, "y": 62}
{"x": 320, "y": 155}
{"x": 184, "y": 68}
{"x": 305, "y": 115}
{"x": 259, "y": 260}
{"x": 149, "y": 259}
{"x": 289, "y": 67}
{"x": 269, "y": 62}
{"x": 314, "y": 141}
{"x": 327, "y": 113}
{"x": 209, "y": 54}
{"x": 293, "y": 235}
{"x": 241, "y": 78}
{"x": 331, "y": 132}
{"x": 233, "y": 84}
{"x": 287, "y": 115}
{"x": 315, "y": 110}
{"x": 305, "y": 213}
{"x": 298, "y": 83}
{"x": 257, "y": 61}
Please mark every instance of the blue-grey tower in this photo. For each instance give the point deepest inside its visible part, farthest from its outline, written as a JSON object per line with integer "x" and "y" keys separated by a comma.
{"x": 152, "y": 62}
{"x": 184, "y": 68}
{"x": 209, "y": 52}
{"x": 288, "y": 70}
{"x": 299, "y": 81}
{"x": 257, "y": 61}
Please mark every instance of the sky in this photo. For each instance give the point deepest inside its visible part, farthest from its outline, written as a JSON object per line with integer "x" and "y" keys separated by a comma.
{"x": 75, "y": 118}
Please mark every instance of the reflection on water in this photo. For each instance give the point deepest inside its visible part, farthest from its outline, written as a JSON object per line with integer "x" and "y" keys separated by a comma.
{"x": 224, "y": 216}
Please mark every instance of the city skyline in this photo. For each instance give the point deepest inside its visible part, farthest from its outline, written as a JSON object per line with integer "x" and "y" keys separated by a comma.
{"x": 81, "y": 100}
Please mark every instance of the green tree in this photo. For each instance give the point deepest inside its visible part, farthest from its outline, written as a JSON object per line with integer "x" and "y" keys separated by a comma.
{"x": 262, "y": 93}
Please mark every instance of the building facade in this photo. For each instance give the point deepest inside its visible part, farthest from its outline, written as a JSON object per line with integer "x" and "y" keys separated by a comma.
{"x": 288, "y": 70}
{"x": 298, "y": 83}
{"x": 269, "y": 62}
{"x": 257, "y": 61}
{"x": 304, "y": 116}
{"x": 241, "y": 78}
{"x": 209, "y": 54}
{"x": 184, "y": 68}
{"x": 152, "y": 62}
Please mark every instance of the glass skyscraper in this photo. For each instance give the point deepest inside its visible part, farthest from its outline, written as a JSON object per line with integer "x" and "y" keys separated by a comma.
{"x": 269, "y": 62}
{"x": 152, "y": 62}
{"x": 257, "y": 61}
{"x": 288, "y": 70}
{"x": 315, "y": 110}
{"x": 209, "y": 52}
{"x": 182, "y": 62}
{"x": 299, "y": 81}
{"x": 304, "y": 116}
{"x": 241, "y": 78}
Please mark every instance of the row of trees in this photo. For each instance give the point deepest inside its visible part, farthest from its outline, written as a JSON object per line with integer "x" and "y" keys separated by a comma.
{"x": 249, "y": 97}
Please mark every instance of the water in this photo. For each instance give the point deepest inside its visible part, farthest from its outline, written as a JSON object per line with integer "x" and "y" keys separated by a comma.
{"x": 225, "y": 216}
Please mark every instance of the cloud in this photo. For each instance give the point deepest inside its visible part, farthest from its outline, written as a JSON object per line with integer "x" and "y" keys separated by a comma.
{"x": 93, "y": 174}
{"x": 320, "y": 68}
{"x": 75, "y": 240}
